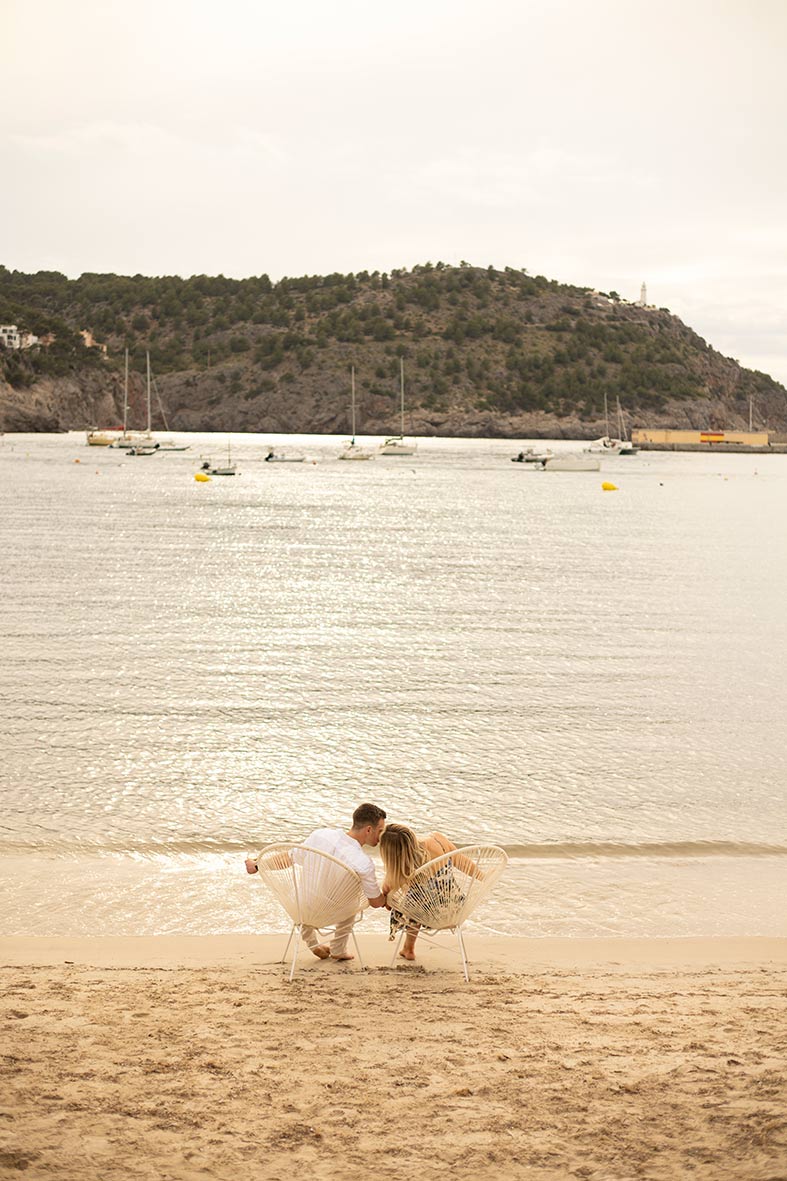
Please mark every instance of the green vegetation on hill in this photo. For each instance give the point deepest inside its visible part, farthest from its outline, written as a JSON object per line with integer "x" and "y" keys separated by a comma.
{"x": 475, "y": 338}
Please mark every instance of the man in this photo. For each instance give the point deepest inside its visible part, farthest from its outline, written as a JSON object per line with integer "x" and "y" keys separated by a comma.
{"x": 366, "y": 829}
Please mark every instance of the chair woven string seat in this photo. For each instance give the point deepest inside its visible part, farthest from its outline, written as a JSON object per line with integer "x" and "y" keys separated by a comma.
{"x": 314, "y": 888}
{"x": 444, "y": 893}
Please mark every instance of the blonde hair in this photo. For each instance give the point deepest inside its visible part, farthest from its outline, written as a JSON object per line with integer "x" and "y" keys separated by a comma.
{"x": 402, "y": 854}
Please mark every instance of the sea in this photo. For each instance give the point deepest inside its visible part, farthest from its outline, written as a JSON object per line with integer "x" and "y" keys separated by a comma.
{"x": 593, "y": 679}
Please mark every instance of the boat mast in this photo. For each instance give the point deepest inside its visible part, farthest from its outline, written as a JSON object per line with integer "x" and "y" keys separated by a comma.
{"x": 621, "y": 427}
{"x": 147, "y": 358}
{"x": 401, "y": 390}
{"x": 352, "y": 395}
{"x": 125, "y": 398}
{"x": 606, "y": 412}
{"x": 751, "y": 412}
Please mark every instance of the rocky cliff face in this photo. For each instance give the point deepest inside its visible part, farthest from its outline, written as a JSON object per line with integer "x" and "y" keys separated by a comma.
{"x": 195, "y": 404}
{"x": 62, "y": 403}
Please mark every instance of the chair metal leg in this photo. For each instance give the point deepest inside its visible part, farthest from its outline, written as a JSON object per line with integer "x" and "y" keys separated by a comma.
{"x": 397, "y": 946}
{"x": 295, "y": 952}
{"x": 357, "y": 948}
{"x": 287, "y": 948}
{"x": 463, "y": 953}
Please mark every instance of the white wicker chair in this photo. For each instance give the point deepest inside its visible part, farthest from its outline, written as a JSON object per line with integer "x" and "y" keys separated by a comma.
{"x": 444, "y": 893}
{"x": 314, "y": 888}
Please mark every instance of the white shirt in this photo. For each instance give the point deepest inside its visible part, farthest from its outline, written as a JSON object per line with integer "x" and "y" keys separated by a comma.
{"x": 346, "y": 849}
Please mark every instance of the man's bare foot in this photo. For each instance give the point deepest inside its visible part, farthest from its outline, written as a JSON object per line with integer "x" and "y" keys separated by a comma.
{"x": 407, "y": 953}
{"x": 321, "y": 951}
{"x": 345, "y": 955}
{"x": 251, "y": 866}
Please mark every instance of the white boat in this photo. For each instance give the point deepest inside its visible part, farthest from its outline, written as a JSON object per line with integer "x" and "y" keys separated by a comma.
{"x": 132, "y": 439}
{"x": 571, "y": 461}
{"x": 531, "y": 456}
{"x": 351, "y": 449}
{"x": 606, "y": 445}
{"x": 283, "y": 457}
{"x": 228, "y": 469}
{"x": 397, "y": 444}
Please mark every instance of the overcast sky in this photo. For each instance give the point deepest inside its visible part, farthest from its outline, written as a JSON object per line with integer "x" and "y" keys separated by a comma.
{"x": 600, "y": 143}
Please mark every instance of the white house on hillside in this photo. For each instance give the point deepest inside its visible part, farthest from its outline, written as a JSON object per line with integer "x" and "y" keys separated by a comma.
{"x": 12, "y": 338}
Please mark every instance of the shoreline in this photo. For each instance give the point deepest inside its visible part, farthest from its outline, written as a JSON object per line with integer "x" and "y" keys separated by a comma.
{"x": 507, "y": 953}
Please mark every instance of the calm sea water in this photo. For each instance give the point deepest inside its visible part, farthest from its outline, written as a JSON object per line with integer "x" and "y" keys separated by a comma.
{"x": 594, "y": 680}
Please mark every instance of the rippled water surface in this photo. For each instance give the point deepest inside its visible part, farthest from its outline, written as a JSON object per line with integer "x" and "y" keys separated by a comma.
{"x": 594, "y": 680}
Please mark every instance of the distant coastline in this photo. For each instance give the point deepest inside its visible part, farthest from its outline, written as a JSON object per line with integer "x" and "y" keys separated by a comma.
{"x": 487, "y": 354}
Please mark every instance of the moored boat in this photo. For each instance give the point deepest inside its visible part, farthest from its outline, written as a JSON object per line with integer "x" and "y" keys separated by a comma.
{"x": 605, "y": 446}
{"x": 397, "y": 444}
{"x": 227, "y": 469}
{"x": 351, "y": 449}
{"x": 530, "y": 455}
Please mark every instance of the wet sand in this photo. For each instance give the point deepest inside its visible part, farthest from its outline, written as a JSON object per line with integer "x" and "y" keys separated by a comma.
{"x": 185, "y": 1058}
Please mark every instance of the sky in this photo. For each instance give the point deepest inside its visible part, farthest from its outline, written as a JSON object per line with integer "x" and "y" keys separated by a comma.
{"x": 601, "y": 143}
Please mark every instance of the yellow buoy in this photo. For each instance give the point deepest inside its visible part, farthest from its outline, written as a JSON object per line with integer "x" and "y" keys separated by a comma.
{"x": 202, "y": 478}
{"x": 607, "y": 487}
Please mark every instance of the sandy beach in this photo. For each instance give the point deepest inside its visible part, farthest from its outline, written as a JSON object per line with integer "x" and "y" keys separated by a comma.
{"x": 192, "y": 1057}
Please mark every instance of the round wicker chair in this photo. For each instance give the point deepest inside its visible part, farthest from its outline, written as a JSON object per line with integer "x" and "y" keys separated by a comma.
{"x": 314, "y": 889}
{"x": 445, "y": 891}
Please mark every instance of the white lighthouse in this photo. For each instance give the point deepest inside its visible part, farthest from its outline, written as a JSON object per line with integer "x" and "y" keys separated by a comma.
{"x": 643, "y": 296}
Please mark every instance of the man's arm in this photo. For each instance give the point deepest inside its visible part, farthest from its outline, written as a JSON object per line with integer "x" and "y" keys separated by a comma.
{"x": 378, "y": 901}
{"x": 277, "y": 861}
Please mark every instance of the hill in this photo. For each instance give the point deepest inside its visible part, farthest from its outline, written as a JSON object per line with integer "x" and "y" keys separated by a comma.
{"x": 487, "y": 352}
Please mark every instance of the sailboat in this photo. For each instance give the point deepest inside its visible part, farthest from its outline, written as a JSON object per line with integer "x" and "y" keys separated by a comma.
{"x": 605, "y": 445}
{"x": 351, "y": 450}
{"x": 396, "y": 444}
{"x": 228, "y": 469}
{"x": 145, "y": 444}
{"x": 626, "y": 446}
{"x": 129, "y": 439}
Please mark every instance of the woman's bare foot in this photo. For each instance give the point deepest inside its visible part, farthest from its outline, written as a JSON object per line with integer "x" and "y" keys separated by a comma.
{"x": 408, "y": 951}
{"x": 321, "y": 951}
{"x": 345, "y": 955}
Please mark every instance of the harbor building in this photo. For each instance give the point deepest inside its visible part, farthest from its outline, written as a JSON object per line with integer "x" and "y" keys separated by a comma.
{"x": 652, "y": 439}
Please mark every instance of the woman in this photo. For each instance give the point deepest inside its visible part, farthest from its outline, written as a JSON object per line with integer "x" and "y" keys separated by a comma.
{"x": 403, "y": 854}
